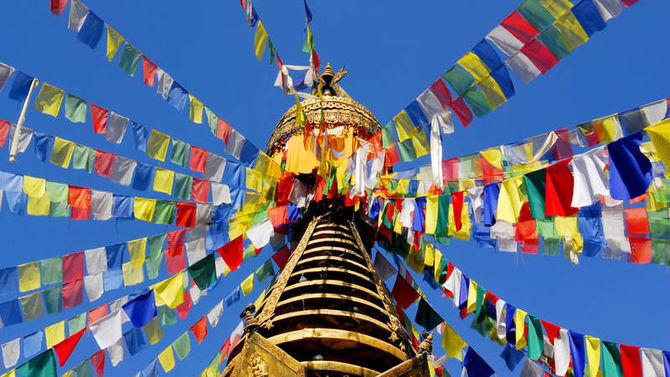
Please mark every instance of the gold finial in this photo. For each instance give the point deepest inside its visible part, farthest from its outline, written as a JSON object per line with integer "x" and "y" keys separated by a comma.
{"x": 250, "y": 322}
{"x": 328, "y": 71}
{"x": 427, "y": 345}
{"x": 328, "y": 82}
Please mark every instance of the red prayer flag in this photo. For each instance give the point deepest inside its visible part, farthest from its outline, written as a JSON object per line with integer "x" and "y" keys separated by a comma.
{"x": 640, "y": 250}
{"x": 559, "y": 190}
{"x": 278, "y": 216}
{"x": 628, "y": 3}
{"x": 462, "y": 111}
{"x": 316, "y": 62}
{"x": 176, "y": 238}
{"x": 200, "y": 190}
{"x": 636, "y": 220}
{"x": 540, "y": 55}
{"x": 99, "y": 116}
{"x": 104, "y": 162}
{"x": 526, "y": 226}
{"x": 223, "y": 130}
{"x": 185, "y": 307}
{"x": 232, "y": 253}
{"x": 392, "y": 157}
{"x": 95, "y": 314}
{"x": 551, "y": 330}
{"x": 450, "y": 169}
{"x": 281, "y": 256}
{"x": 199, "y": 329}
{"x": 630, "y": 361}
{"x": 519, "y": 27}
{"x": 98, "y": 361}
{"x": 80, "y": 213}
{"x": 243, "y": 3}
{"x": 79, "y": 197}
{"x": 186, "y": 214}
{"x": 403, "y": 293}
{"x": 4, "y": 131}
{"x": 73, "y": 293}
{"x": 225, "y": 349}
{"x": 441, "y": 91}
{"x": 149, "y": 71}
{"x": 73, "y": 266}
{"x": 198, "y": 160}
{"x": 174, "y": 259}
{"x": 64, "y": 349}
{"x": 56, "y": 7}
{"x": 457, "y": 200}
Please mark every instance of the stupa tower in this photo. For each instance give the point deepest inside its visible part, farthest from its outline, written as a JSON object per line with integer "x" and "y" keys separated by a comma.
{"x": 328, "y": 313}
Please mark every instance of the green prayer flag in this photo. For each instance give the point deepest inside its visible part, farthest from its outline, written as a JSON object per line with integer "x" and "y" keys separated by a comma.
{"x": 153, "y": 264}
{"x": 203, "y": 272}
{"x": 56, "y": 192}
{"x": 212, "y": 120}
{"x": 130, "y": 59}
{"x": 308, "y": 46}
{"x": 388, "y": 137}
{"x": 443, "y": 214}
{"x": 182, "y": 346}
{"x": 32, "y": 306}
{"x": 535, "y": 338}
{"x": 552, "y": 38}
{"x": 53, "y": 299}
{"x": 426, "y": 316}
{"x": 611, "y": 360}
{"x": 76, "y": 323}
{"x": 164, "y": 212}
{"x": 213, "y": 366}
{"x": 535, "y": 14}
{"x": 481, "y": 295}
{"x": 83, "y": 369}
{"x": 659, "y": 224}
{"x": 180, "y": 151}
{"x": 476, "y": 99}
{"x": 660, "y": 251}
{"x": 459, "y": 79}
{"x": 153, "y": 331}
{"x": 166, "y": 316}
{"x": 83, "y": 158}
{"x": 265, "y": 270}
{"x": 545, "y": 227}
{"x": 481, "y": 324}
{"x": 42, "y": 365}
{"x": 75, "y": 109}
{"x": 59, "y": 209}
{"x": 271, "y": 47}
{"x": 155, "y": 244}
{"x": 536, "y": 183}
{"x": 406, "y": 151}
{"x": 552, "y": 245}
{"x": 183, "y": 185}
{"x": 52, "y": 270}
{"x": 444, "y": 267}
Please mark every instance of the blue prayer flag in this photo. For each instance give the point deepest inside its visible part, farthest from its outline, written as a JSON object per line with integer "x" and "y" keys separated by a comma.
{"x": 91, "y": 31}
{"x": 142, "y": 178}
{"x": 32, "y": 344}
{"x": 41, "y": 143}
{"x": 416, "y": 114}
{"x": 475, "y": 365}
{"x": 501, "y": 76}
{"x": 491, "y": 193}
{"x": 510, "y": 324}
{"x": 249, "y": 152}
{"x": 630, "y": 170}
{"x": 9, "y": 280}
{"x": 577, "y": 348}
{"x": 308, "y": 12}
{"x": 112, "y": 279}
{"x": 419, "y": 217}
{"x": 178, "y": 96}
{"x": 487, "y": 54}
{"x": 511, "y": 356}
{"x": 233, "y": 296}
{"x": 588, "y": 16}
{"x": 123, "y": 205}
{"x": 141, "y": 135}
{"x": 151, "y": 370}
{"x": 20, "y": 86}
{"x": 10, "y": 313}
{"x": 142, "y": 309}
{"x": 134, "y": 340}
{"x": 115, "y": 255}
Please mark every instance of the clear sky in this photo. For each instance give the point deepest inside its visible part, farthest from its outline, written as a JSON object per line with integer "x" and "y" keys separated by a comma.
{"x": 393, "y": 50}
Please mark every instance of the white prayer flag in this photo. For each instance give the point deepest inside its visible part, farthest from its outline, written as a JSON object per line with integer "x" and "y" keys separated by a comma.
{"x": 107, "y": 330}
{"x": 523, "y": 67}
{"x": 214, "y": 167}
{"x": 96, "y": 260}
{"x": 11, "y": 352}
{"x": 94, "y": 286}
{"x": 116, "y": 128}
{"x": 78, "y": 13}
{"x": 101, "y": 204}
{"x": 215, "y": 314}
{"x": 122, "y": 170}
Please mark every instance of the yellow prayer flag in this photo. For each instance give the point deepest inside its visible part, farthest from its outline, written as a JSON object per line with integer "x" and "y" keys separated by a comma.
{"x": 259, "y": 300}
{"x": 33, "y": 186}
{"x": 12, "y": 373}
{"x": 471, "y": 304}
{"x": 170, "y": 291}
{"x": 114, "y": 41}
{"x": 49, "y": 100}
{"x": 431, "y": 369}
{"x": 403, "y": 125}
{"x": 556, "y": 8}
{"x": 157, "y": 145}
{"x": 429, "y": 255}
{"x": 163, "y": 180}
{"x": 593, "y": 354}
{"x": 38, "y": 206}
{"x": 260, "y": 40}
{"x": 608, "y": 129}
{"x": 196, "y": 109}
{"x": 432, "y": 204}
{"x": 248, "y": 284}
{"x": 62, "y": 152}
{"x": 267, "y": 166}
{"x": 55, "y": 334}
{"x": 226, "y": 270}
{"x": 144, "y": 208}
{"x": 137, "y": 250}
{"x": 492, "y": 91}
{"x": 254, "y": 180}
{"x": 566, "y": 226}
{"x": 571, "y": 31}
{"x": 66, "y": 374}
{"x": 452, "y": 343}
{"x": 438, "y": 265}
{"x": 471, "y": 63}
{"x": 420, "y": 142}
{"x": 464, "y": 232}
{"x": 166, "y": 358}
{"x": 659, "y": 134}
{"x": 132, "y": 275}
{"x": 520, "y": 320}
{"x": 510, "y": 200}
{"x": 29, "y": 276}
{"x": 415, "y": 261}
{"x": 493, "y": 156}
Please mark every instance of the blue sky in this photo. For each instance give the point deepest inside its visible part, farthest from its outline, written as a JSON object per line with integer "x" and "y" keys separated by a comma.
{"x": 393, "y": 50}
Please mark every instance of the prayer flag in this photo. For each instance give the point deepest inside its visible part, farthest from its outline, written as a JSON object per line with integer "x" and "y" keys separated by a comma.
{"x": 163, "y": 180}
{"x": 99, "y": 116}
{"x": 116, "y": 128}
{"x": 43, "y": 365}
{"x": 56, "y": 7}
{"x": 196, "y": 109}
{"x": 426, "y": 316}
{"x": 182, "y": 346}
{"x": 150, "y": 69}
{"x": 130, "y": 59}
{"x": 170, "y": 291}
{"x": 403, "y": 293}
{"x": 158, "y": 145}
{"x": 261, "y": 39}
{"x": 62, "y": 152}
{"x": 144, "y": 208}
{"x": 49, "y": 100}
{"x": 199, "y": 329}
{"x": 55, "y": 334}
{"x": 75, "y": 109}
{"x": 141, "y": 309}
{"x": 203, "y": 272}
{"x": 247, "y": 284}
{"x": 114, "y": 40}
{"x": 166, "y": 358}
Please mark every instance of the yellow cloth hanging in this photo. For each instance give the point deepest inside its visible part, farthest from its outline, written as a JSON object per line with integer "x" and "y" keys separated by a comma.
{"x": 247, "y": 284}
{"x": 493, "y": 156}
{"x": 403, "y": 125}
{"x": 299, "y": 160}
{"x": 196, "y": 109}
{"x": 157, "y": 145}
{"x": 137, "y": 250}
{"x": 260, "y": 299}
{"x": 437, "y": 267}
{"x": 33, "y": 186}
{"x": 475, "y": 66}
{"x": 55, "y": 334}
{"x": 49, "y": 100}
{"x": 593, "y": 354}
{"x": 39, "y": 206}
{"x": 29, "y": 276}
{"x": 659, "y": 134}
{"x": 144, "y": 208}
{"x": 492, "y": 91}
{"x": 166, "y": 358}
{"x": 510, "y": 200}
{"x": 132, "y": 275}
{"x": 114, "y": 41}
{"x": 471, "y": 304}
{"x": 571, "y": 31}
{"x": 62, "y": 152}
{"x": 464, "y": 232}
{"x": 520, "y": 321}
{"x": 607, "y": 129}
{"x": 556, "y": 8}
{"x": 452, "y": 343}
{"x": 429, "y": 255}
{"x": 163, "y": 180}
{"x": 260, "y": 40}
{"x": 170, "y": 292}
{"x": 432, "y": 204}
